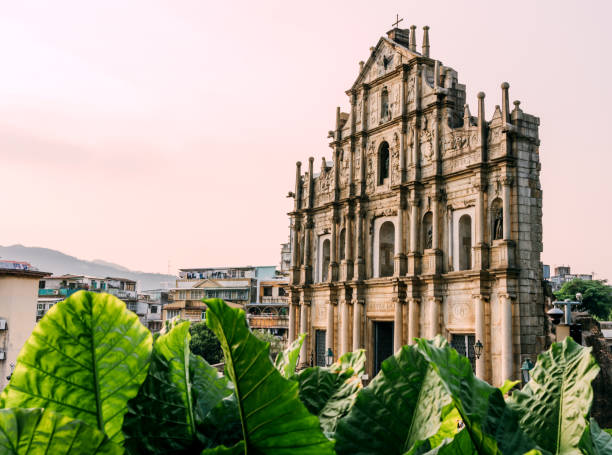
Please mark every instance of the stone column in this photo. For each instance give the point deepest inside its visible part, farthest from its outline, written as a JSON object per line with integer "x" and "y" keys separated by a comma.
{"x": 329, "y": 332}
{"x": 414, "y": 225}
{"x": 434, "y": 317}
{"x": 480, "y": 214}
{"x": 359, "y": 262}
{"x": 480, "y": 335}
{"x": 507, "y": 225}
{"x": 345, "y": 323}
{"x": 333, "y": 263}
{"x": 413, "y": 320}
{"x": 435, "y": 223}
{"x": 291, "y": 322}
{"x": 399, "y": 258}
{"x": 304, "y": 329}
{"x": 506, "y": 338}
{"x": 398, "y": 325}
{"x": 307, "y": 256}
{"x": 357, "y": 325}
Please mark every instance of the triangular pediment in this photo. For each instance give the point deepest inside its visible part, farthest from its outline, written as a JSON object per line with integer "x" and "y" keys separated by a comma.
{"x": 207, "y": 283}
{"x": 385, "y": 57}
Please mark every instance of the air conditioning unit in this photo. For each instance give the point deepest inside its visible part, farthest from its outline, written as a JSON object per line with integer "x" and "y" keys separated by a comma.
{"x": 2, "y": 324}
{"x": 2, "y": 354}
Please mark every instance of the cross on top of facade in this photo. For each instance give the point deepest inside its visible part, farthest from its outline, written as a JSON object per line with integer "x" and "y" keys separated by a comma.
{"x": 397, "y": 21}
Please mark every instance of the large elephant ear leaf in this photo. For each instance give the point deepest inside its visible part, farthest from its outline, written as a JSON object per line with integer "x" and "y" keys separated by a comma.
{"x": 162, "y": 417}
{"x": 400, "y": 407}
{"x": 490, "y": 423}
{"x": 85, "y": 359}
{"x": 37, "y": 431}
{"x": 554, "y": 405}
{"x": 354, "y": 361}
{"x": 274, "y": 421}
{"x": 596, "y": 441}
{"x": 286, "y": 361}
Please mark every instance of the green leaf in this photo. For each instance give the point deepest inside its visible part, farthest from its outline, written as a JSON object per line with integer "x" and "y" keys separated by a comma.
{"x": 286, "y": 361}
{"x": 507, "y": 386}
{"x": 490, "y": 423}
{"x": 555, "y": 403}
{"x": 274, "y": 421}
{"x": 85, "y": 359}
{"x": 162, "y": 417}
{"x": 400, "y": 407}
{"x": 596, "y": 441}
{"x": 39, "y": 431}
{"x": 461, "y": 444}
{"x": 329, "y": 393}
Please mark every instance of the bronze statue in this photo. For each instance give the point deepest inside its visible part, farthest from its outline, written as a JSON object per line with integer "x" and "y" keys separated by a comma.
{"x": 498, "y": 225}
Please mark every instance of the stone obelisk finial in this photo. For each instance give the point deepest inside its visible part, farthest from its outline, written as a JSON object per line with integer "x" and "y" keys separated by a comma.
{"x": 505, "y": 103}
{"x": 413, "y": 38}
{"x": 425, "y": 51}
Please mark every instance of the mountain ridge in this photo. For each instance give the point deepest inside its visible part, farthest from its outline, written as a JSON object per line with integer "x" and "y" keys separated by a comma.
{"x": 58, "y": 263}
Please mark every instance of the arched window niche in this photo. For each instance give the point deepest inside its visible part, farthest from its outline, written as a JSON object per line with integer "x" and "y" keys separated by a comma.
{"x": 427, "y": 231}
{"x": 383, "y": 162}
{"x": 465, "y": 242}
{"x": 497, "y": 220}
{"x": 386, "y": 249}
{"x": 325, "y": 259}
{"x": 384, "y": 105}
{"x": 342, "y": 246}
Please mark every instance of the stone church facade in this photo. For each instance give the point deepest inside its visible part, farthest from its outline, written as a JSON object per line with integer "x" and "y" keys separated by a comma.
{"x": 428, "y": 220}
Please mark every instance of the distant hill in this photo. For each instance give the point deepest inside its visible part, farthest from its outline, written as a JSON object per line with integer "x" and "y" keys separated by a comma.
{"x": 58, "y": 263}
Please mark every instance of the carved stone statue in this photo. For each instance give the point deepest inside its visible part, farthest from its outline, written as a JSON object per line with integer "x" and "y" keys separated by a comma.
{"x": 498, "y": 224}
{"x": 429, "y": 239}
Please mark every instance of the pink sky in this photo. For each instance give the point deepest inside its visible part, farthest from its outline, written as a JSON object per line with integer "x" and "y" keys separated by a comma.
{"x": 146, "y": 131}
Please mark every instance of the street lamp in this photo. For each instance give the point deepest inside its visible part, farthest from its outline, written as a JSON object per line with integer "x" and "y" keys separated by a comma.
{"x": 478, "y": 349}
{"x": 526, "y": 367}
{"x": 329, "y": 357}
{"x": 555, "y": 314}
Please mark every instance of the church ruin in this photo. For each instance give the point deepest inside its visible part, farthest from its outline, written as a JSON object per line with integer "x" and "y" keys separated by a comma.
{"x": 428, "y": 220}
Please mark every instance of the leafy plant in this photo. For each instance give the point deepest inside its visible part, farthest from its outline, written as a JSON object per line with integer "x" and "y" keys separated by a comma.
{"x": 38, "y": 431}
{"x": 85, "y": 359}
{"x": 286, "y": 361}
{"x": 162, "y": 417}
{"x": 205, "y": 344}
{"x": 329, "y": 393}
{"x": 273, "y": 419}
{"x": 555, "y": 404}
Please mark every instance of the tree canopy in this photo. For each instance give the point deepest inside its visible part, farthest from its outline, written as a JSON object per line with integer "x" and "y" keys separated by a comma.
{"x": 596, "y": 296}
{"x": 204, "y": 343}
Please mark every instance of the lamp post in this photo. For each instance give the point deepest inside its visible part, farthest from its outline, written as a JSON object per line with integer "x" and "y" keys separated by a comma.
{"x": 329, "y": 358}
{"x": 526, "y": 367}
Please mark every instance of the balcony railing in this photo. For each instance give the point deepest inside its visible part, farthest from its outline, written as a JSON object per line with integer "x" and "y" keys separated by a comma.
{"x": 122, "y": 294}
{"x": 267, "y": 321}
{"x": 275, "y": 300}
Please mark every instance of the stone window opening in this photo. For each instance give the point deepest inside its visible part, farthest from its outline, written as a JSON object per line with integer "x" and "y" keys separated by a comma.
{"x": 386, "y": 249}
{"x": 267, "y": 291}
{"x": 325, "y": 260}
{"x": 427, "y": 231}
{"x": 383, "y": 162}
{"x": 342, "y": 244}
{"x": 465, "y": 242}
{"x": 384, "y": 105}
{"x": 497, "y": 220}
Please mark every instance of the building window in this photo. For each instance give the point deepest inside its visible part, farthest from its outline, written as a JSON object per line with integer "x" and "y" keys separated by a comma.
{"x": 94, "y": 284}
{"x": 196, "y": 294}
{"x": 427, "y": 231}
{"x": 203, "y": 315}
{"x": 384, "y": 105}
{"x": 386, "y": 248}
{"x": 465, "y": 242}
{"x": 41, "y": 284}
{"x": 325, "y": 260}
{"x": 172, "y": 313}
{"x": 342, "y": 244}
{"x": 267, "y": 291}
{"x": 281, "y": 292}
{"x": 182, "y": 295}
{"x": 383, "y": 162}
{"x": 153, "y": 309}
{"x": 497, "y": 220}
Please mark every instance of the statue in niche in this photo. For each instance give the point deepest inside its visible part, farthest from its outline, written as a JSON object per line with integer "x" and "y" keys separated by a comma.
{"x": 429, "y": 239}
{"x": 498, "y": 224}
